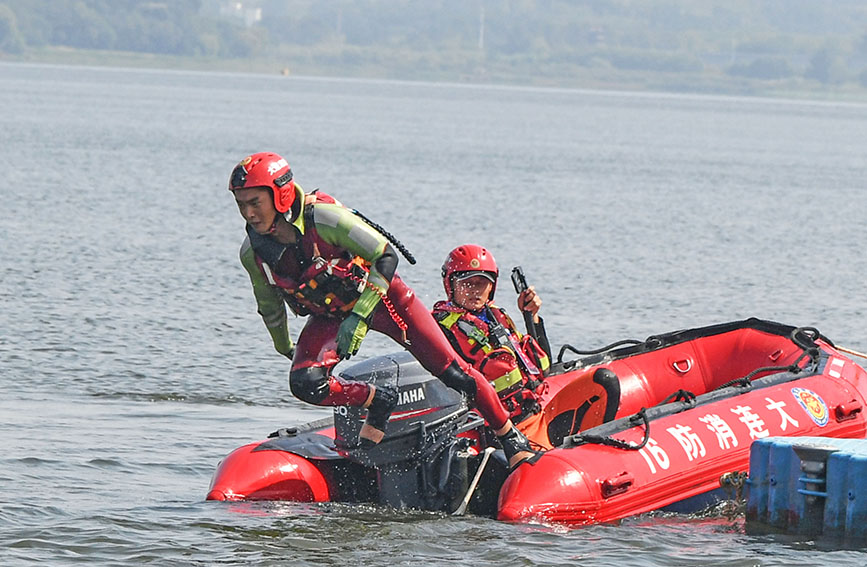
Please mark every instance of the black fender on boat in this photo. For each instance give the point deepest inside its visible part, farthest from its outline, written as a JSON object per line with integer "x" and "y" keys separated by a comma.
{"x": 307, "y": 443}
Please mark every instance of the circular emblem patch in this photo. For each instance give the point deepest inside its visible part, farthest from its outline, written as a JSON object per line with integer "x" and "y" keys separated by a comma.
{"x": 246, "y": 160}
{"x": 813, "y": 404}
{"x": 474, "y": 263}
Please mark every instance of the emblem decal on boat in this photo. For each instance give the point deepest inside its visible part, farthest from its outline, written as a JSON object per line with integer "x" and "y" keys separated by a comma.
{"x": 813, "y": 404}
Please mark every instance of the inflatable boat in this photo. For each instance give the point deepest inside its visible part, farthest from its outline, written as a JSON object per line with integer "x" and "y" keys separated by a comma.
{"x": 664, "y": 423}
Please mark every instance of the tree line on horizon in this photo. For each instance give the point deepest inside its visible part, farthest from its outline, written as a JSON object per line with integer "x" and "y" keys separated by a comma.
{"x": 819, "y": 40}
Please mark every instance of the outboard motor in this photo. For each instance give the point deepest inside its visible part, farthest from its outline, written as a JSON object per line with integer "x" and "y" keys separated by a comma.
{"x": 422, "y": 461}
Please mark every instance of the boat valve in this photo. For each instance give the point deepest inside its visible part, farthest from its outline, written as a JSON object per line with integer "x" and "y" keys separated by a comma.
{"x": 847, "y": 410}
{"x": 617, "y": 484}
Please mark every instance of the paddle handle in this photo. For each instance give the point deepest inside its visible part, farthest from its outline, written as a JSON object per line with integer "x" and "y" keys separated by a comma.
{"x": 850, "y": 351}
{"x": 463, "y": 507}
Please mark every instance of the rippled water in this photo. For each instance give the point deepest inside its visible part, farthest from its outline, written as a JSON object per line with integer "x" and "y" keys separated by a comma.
{"x": 132, "y": 359}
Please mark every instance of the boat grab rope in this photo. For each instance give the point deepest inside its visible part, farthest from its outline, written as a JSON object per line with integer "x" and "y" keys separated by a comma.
{"x": 618, "y": 443}
{"x": 804, "y": 337}
{"x": 679, "y": 396}
{"x": 391, "y": 238}
{"x": 746, "y": 381}
{"x": 570, "y": 348}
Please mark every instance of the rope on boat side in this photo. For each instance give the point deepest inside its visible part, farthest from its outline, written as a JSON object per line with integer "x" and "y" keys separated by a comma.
{"x": 679, "y": 396}
{"x": 570, "y": 348}
{"x": 745, "y": 381}
{"x": 804, "y": 337}
{"x": 582, "y": 438}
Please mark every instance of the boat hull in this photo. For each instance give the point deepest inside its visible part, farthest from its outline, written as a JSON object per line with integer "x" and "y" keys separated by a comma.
{"x": 630, "y": 430}
{"x": 686, "y": 454}
{"x": 251, "y": 474}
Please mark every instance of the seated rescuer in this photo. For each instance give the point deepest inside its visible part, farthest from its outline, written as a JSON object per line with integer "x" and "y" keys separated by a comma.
{"x": 485, "y": 336}
{"x": 322, "y": 260}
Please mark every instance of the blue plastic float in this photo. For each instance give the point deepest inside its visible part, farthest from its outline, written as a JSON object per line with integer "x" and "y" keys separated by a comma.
{"x": 809, "y": 485}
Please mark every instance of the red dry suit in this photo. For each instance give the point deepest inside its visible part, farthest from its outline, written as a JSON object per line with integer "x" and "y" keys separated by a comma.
{"x": 515, "y": 364}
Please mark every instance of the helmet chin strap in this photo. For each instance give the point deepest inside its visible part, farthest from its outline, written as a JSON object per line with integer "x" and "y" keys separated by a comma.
{"x": 277, "y": 216}
{"x": 273, "y": 228}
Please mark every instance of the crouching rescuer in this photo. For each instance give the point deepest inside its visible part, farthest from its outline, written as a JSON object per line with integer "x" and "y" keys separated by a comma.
{"x": 324, "y": 261}
{"x": 486, "y": 337}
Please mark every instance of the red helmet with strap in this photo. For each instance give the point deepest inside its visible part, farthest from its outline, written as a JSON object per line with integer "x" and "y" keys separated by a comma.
{"x": 466, "y": 261}
{"x": 268, "y": 171}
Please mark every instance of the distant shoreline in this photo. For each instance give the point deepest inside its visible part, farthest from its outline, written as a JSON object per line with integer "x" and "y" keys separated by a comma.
{"x": 572, "y": 77}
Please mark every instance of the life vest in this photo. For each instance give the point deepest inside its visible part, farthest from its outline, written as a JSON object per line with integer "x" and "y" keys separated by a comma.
{"x": 312, "y": 275}
{"x": 514, "y": 364}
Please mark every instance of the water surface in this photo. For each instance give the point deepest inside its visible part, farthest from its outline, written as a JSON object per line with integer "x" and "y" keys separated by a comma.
{"x": 132, "y": 358}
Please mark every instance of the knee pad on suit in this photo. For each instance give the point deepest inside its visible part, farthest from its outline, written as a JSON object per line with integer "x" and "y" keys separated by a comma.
{"x": 309, "y": 384}
{"x": 454, "y": 377}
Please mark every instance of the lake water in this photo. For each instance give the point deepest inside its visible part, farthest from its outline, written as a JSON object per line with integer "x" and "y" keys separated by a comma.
{"x": 132, "y": 358}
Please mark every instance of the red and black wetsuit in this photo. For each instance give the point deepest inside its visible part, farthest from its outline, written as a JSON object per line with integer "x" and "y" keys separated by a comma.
{"x": 340, "y": 264}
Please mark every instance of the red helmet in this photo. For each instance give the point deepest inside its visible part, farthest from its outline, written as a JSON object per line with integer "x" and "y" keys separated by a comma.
{"x": 268, "y": 171}
{"x": 466, "y": 261}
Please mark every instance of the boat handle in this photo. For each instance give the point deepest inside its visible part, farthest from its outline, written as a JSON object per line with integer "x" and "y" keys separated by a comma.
{"x": 682, "y": 366}
{"x": 617, "y": 484}
{"x": 775, "y": 355}
{"x": 847, "y": 410}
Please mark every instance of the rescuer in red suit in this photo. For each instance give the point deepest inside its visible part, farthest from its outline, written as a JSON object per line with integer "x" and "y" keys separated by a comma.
{"x": 322, "y": 260}
{"x": 485, "y": 336}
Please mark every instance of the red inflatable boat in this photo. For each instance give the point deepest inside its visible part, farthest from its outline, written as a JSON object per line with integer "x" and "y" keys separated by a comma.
{"x": 664, "y": 423}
